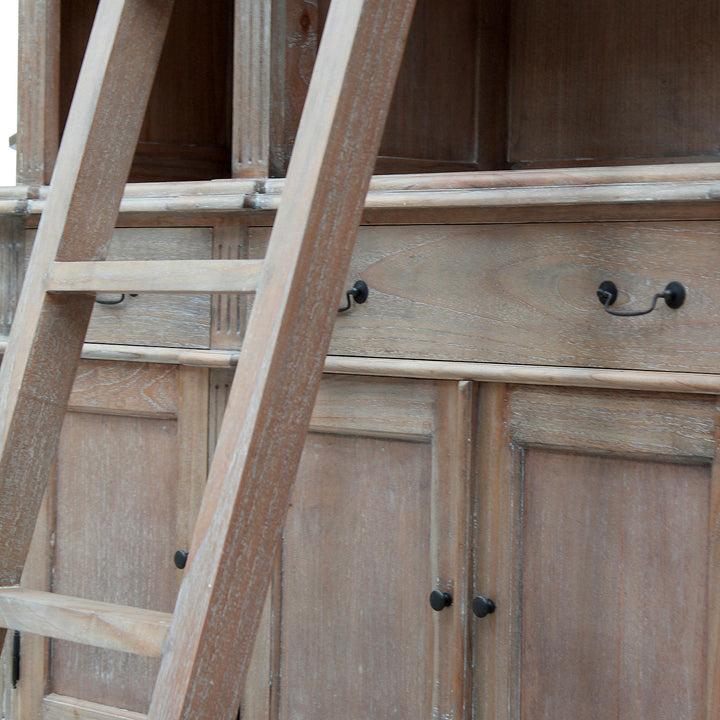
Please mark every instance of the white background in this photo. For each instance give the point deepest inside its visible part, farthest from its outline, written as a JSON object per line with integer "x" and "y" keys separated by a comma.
{"x": 8, "y": 87}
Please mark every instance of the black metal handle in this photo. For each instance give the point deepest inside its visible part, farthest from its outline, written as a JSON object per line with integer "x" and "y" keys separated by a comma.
{"x": 482, "y": 606}
{"x": 114, "y": 302}
{"x": 358, "y": 292}
{"x": 439, "y": 600}
{"x": 180, "y": 559}
{"x": 673, "y": 294}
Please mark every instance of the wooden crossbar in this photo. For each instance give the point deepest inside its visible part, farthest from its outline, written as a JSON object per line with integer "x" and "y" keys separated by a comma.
{"x": 46, "y": 339}
{"x": 105, "y": 625}
{"x": 156, "y": 276}
{"x": 263, "y": 432}
{"x": 267, "y": 416}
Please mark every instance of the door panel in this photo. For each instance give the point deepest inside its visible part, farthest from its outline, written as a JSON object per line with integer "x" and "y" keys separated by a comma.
{"x": 129, "y": 475}
{"x": 595, "y": 513}
{"x": 614, "y": 583}
{"x": 378, "y": 519}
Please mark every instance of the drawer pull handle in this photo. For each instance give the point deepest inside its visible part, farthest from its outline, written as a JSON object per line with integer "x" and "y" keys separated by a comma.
{"x": 358, "y": 292}
{"x": 114, "y": 302}
{"x": 673, "y": 294}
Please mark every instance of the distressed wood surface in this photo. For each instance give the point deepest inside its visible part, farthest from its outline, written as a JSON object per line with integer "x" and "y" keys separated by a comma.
{"x": 713, "y": 593}
{"x": 38, "y": 90}
{"x": 526, "y": 294}
{"x": 676, "y": 427}
{"x": 229, "y": 312}
{"x": 634, "y": 80}
{"x": 46, "y": 339}
{"x": 615, "y": 496}
{"x": 59, "y": 707}
{"x": 252, "y": 62}
{"x": 241, "y": 520}
{"x": 164, "y": 319}
{"x": 115, "y": 627}
{"x": 186, "y": 130}
{"x": 672, "y": 382}
{"x": 497, "y": 551}
{"x": 165, "y": 276}
{"x": 611, "y": 548}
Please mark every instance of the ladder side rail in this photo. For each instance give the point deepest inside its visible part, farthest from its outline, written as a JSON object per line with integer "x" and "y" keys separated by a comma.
{"x": 241, "y": 520}
{"x": 48, "y": 331}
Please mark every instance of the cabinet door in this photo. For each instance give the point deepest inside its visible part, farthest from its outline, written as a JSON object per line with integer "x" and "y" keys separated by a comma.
{"x": 130, "y": 471}
{"x": 597, "y": 539}
{"x": 377, "y": 521}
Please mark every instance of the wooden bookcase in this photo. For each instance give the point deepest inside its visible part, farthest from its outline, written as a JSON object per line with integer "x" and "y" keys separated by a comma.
{"x": 485, "y": 428}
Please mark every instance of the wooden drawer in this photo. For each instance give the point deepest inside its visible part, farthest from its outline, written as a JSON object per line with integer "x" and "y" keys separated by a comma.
{"x": 158, "y": 320}
{"x": 527, "y": 294}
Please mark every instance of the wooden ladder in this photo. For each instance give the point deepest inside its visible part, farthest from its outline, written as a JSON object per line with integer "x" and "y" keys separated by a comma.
{"x": 298, "y": 287}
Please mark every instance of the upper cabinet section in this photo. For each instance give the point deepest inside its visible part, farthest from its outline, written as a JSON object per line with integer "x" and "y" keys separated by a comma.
{"x": 483, "y": 86}
{"x": 187, "y": 129}
{"x": 613, "y": 82}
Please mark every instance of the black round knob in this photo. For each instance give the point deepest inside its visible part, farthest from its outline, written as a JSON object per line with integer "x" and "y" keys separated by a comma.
{"x": 482, "y": 606}
{"x": 439, "y": 600}
{"x": 180, "y": 559}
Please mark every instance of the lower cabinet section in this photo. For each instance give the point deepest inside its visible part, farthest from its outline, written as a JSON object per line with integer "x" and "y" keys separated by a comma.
{"x": 597, "y": 519}
{"x": 587, "y": 517}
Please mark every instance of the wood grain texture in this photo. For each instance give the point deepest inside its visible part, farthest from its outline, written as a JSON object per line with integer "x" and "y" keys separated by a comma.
{"x": 634, "y": 424}
{"x": 186, "y": 129}
{"x": 295, "y": 31}
{"x": 38, "y": 91}
{"x": 526, "y": 294}
{"x": 45, "y": 343}
{"x": 497, "y": 554}
{"x": 121, "y": 389}
{"x": 166, "y": 276}
{"x": 607, "y": 532}
{"x": 157, "y": 319}
{"x": 357, "y": 627}
{"x": 450, "y": 553}
{"x": 59, "y": 707}
{"x": 115, "y": 627}
{"x": 713, "y": 591}
{"x": 241, "y": 520}
{"x": 252, "y": 63}
{"x": 626, "y": 80}
{"x": 611, "y": 549}
{"x": 229, "y": 311}
{"x": 11, "y": 268}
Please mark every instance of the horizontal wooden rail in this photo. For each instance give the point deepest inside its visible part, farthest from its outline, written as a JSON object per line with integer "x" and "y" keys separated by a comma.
{"x": 647, "y": 380}
{"x": 158, "y": 276}
{"x": 113, "y": 627}
{"x": 59, "y": 707}
{"x": 626, "y": 185}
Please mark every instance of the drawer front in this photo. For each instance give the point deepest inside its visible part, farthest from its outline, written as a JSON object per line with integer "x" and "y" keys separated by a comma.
{"x": 165, "y": 320}
{"x": 527, "y": 294}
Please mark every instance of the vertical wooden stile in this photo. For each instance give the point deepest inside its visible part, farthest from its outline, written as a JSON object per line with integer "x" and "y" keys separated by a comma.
{"x": 262, "y": 436}
{"x": 47, "y": 334}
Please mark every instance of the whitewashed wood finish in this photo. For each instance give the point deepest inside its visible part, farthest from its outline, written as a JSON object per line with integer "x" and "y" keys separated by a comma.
{"x": 672, "y": 382}
{"x": 115, "y": 627}
{"x": 229, "y": 310}
{"x": 38, "y": 89}
{"x": 263, "y": 433}
{"x": 46, "y": 339}
{"x": 612, "y": 189}
{"x": 166, "y": 276}
{"x": 654, "y": 451}
{"x": 251, "y": 88}
{"x": 527, "y": 294}
{"x": 11, "y": 268}
{"x": 59, "y": 707}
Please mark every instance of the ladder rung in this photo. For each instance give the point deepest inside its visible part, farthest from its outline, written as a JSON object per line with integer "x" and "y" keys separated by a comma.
{"x": 155, "y": 276}
{"x": 114, "y": 627}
